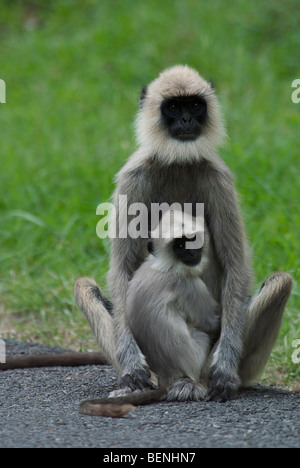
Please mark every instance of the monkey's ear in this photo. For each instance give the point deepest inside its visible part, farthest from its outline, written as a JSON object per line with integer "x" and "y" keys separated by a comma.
{"x": 143, "y": 95}
{"x": 150, "y": 247}
{"x": 212, "y": 84}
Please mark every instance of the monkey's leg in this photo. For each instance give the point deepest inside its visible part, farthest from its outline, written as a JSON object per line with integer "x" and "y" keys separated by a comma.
{"x": 182, "y": 355}
{"x": 263, "y": 322}
{"x": 96, "y": 307}
{"x": 193, "y": 389}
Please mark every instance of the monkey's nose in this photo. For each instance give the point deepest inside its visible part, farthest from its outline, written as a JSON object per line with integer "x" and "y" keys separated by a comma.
{"x": 192, "y": 252}
{"x": 186, "y": 119}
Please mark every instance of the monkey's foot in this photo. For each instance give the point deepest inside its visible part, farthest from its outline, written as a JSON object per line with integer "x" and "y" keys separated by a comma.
{"x": 223, "y": 387}
{"x": 186, "y": 390}
{"x": 119, "y": 392}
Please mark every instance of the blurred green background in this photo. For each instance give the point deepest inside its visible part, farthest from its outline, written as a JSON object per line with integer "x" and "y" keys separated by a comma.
{"x": 73, "y": 73}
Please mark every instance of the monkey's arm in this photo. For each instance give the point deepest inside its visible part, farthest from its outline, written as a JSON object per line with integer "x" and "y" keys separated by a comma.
{"x": 134, "y": 371}
{"x": 125, "y": 257}
{"x": 227, "y": 230}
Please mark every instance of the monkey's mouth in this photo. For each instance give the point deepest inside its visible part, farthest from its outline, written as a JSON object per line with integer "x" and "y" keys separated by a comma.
{"x": 192, "y": 262}
{"x": 187, "y": 136}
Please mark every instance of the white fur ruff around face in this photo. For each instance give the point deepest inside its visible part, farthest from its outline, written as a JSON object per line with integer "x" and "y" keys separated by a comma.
{"x": 154, "y": 138}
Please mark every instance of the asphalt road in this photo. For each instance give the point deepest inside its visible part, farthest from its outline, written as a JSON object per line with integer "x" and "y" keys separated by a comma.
{"x": 39, "y": 408}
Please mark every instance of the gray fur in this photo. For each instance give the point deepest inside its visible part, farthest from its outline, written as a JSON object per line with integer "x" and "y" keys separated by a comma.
{"x": 173, "y": 317}
{"x": 166, "y": 170}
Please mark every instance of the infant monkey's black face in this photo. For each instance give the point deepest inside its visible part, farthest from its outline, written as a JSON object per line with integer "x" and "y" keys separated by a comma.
{"x": 190, "y": 257}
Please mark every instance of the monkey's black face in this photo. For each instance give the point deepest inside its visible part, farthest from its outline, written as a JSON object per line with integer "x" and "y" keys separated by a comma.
{"x": 185, "y": 116}
{"x": 190, "y": 257}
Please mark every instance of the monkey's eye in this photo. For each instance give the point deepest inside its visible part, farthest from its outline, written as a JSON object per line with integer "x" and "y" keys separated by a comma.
{"x": 172, "y": 108}
{"x": 197, "y": 107}
{"x": 181, "y": 245}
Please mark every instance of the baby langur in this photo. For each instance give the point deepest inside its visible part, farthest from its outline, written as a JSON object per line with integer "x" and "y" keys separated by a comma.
{"x": 169, "y": 309}
{"x": 172, "y": 315}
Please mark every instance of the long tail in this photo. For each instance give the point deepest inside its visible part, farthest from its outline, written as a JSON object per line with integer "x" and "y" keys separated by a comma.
{"x": 71, "y": 359}
{"x": 119, "y": 406}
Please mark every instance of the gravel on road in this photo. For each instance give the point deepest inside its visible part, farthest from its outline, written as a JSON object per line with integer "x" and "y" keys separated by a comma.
{"x": 39, "y": 408}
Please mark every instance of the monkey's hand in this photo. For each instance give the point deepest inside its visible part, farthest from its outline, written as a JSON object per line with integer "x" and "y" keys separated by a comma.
{"x": 223, "y": 385}
{"x": 137, "y": 381}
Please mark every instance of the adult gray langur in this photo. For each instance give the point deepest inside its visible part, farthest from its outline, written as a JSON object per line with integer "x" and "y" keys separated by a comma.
{"x": 179, "y": 128}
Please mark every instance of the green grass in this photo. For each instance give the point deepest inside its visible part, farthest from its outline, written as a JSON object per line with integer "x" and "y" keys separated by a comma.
{"x": 73, "y": 72}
